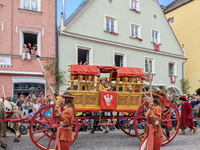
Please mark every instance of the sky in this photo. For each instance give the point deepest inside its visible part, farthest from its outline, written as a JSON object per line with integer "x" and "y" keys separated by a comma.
{"x": 71, "y": 6}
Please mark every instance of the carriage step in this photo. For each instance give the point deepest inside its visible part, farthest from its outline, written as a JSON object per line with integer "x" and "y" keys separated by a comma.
{"x": 106, "y": 124}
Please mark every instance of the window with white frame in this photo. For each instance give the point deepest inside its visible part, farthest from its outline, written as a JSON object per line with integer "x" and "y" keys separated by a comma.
{"x": 155, "y": 38}
{"x": 31, "y": 39}
{"x": 110, "y": 24}
{"x": 119, "y": 59}
{"x": 172, "y": 68}
{"x": 135, "y": 5}
{"x": 84, "y": 55}
{"x": 135, "y": 30}
{"x": 31, "y": 4}
{"x": 152, "y": 64}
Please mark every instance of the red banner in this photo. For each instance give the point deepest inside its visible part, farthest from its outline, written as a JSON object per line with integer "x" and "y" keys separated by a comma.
{"x": 108, "y": 100}
{"x": 151, "y": 77}
{"x": 173, "y": 79}
{"x": 157, "y": 46}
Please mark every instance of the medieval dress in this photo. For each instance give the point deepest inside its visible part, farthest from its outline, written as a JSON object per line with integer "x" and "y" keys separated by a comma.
{"x": 64, "y": 133}
{"x": 186, "y": 112}
{"x": 154, "y": 134}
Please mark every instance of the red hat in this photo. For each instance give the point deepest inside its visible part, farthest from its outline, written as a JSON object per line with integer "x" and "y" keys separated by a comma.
{"x": 65, "y": 95}
{"x": 153, "y": 94}
{"x": 161, "y": 93}
{"x": 183, "y": 98}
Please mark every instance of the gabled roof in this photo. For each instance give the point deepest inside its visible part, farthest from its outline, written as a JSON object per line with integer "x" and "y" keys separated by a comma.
{"x": 77, "y": 12}
{"x": 175, "y": 4}
{"x": 87, "y": 3}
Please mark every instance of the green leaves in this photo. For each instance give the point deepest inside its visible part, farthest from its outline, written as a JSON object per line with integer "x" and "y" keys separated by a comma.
{"x": 185, "y": 85}
{"x": 57, "y": 74}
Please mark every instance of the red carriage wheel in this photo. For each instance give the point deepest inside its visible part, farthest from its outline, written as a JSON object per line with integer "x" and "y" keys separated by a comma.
{"x": 170, "y": 122}
{"x": 44, "y": 138}
{"x": 127, "y": 124}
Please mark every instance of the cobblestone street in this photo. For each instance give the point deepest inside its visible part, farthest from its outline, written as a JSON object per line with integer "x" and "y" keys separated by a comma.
{"x": 115, "y": 140}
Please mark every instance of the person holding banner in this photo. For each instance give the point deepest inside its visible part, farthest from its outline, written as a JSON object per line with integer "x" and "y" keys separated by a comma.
{"x": 154, "y": 134}
{"x": 65, "y": 135}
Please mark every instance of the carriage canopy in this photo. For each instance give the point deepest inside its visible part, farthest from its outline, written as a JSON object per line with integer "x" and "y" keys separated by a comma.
{"x": 97, "y": 70}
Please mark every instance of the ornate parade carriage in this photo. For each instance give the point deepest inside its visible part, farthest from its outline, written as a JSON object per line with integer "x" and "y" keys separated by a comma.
{"x": 123, "y": 100}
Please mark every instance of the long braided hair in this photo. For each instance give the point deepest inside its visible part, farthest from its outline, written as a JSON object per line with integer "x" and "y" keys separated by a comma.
{"x": 70, "y": 101}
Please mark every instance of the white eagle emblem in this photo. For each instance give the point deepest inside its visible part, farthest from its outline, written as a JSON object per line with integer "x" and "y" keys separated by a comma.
{"x": 108, "y": 99}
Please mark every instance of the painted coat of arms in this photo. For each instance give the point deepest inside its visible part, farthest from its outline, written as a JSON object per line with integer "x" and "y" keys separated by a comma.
{"x": 108, "y": 100}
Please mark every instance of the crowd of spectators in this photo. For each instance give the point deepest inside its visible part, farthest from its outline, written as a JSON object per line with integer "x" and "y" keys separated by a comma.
{"x": 193, "y": 99}
{"x": 29, "y": 105}
{"x": 29, "y": 51}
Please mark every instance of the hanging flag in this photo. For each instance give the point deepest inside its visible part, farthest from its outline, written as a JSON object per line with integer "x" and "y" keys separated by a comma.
{"x": 151, "y": 78}
{"x": 156, "y": 46}
{"x": 108, "y": 100}
{"x": 173, "y": 79}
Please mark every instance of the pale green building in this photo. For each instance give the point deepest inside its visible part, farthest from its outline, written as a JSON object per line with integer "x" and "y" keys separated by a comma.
{"x": 124, "y": 33}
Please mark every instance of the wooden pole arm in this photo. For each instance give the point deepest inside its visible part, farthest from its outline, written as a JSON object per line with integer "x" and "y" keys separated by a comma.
{"x": 47, "y": 82}
{"x": 150, "y": 80}
{"x": 3, "y": 92}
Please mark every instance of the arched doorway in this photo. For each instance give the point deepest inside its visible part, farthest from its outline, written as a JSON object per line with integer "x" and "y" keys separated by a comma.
{"x": 198, "y": 91}
{"x": 154, "y": 88}
{"x": 174, "y": 90}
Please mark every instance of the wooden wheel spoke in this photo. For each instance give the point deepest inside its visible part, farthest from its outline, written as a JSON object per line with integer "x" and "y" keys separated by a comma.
{"x": 164, "y": 105}
{"x": 40, "y": 131}
{"x": 141, "y": 117}
{"x": 131, "y": 127}
{"x": 170, "y": 126}
{"x": 42, "y": 136}
{"x": 42, "y": 122}
{"x": 142, "y": 123}
{"x": 126, "y": 122}
{"x": 50, "y": 140}
{"x": 46, "y": 118}
{"x": 165, "y": 135}
{"x": 168, "y": 111}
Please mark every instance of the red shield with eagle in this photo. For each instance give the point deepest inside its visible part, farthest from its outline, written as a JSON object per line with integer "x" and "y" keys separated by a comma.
{"x": 108, "y": 100}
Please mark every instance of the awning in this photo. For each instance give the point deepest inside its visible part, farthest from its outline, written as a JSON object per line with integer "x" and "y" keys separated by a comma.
{"x": 85, "y": 70}
{"x": 97, "y": 70}
{"x": 130, "y": 72}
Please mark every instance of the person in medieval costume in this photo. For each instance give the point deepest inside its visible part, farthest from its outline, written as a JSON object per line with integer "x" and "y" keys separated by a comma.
{"x": 186, "y": 116}
{"x": 104, "y": 85}
{"x": 65, "y": 135}
{"x": 168, "y": 115}
{"x": 154, "y": 133}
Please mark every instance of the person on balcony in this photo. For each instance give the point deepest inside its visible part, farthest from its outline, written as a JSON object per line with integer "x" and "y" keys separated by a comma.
{"x": 29, "y": 47}
{"x": 26, "y": 53}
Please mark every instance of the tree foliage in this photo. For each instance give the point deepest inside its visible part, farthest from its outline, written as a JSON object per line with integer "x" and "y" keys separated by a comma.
{"x": 57, "y": 74}
{"x": 163, "y": 88}
{"x": 185, "y": 85}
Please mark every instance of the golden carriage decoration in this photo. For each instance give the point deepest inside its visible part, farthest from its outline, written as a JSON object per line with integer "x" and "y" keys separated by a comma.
{"x": 85, "y": 81}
